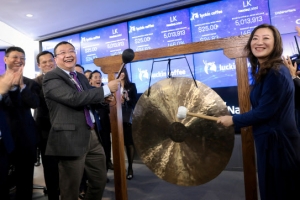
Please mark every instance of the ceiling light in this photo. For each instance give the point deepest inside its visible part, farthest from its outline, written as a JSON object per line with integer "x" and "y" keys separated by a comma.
{"x": 29, "y": 15}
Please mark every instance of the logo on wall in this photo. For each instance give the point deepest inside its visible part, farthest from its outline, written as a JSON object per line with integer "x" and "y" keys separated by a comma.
{"x": 194, "y": 16}
{"x": 209, "y": 66}
{"x": 143, "y": 74}
{"x": 132, "y": 29}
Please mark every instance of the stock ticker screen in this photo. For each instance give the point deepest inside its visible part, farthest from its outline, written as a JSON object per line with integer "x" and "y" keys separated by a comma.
{"x": 168, "y": 29}
{"x": 107, "y": 41}
{"x": 227, "y": 18}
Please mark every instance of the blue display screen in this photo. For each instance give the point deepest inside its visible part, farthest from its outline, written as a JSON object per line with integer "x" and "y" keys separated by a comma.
{"x": 2, "y": 63}
{"x": 227, "y": 18}
{"x": 285, "y": 15}
{"x": 102, "y": 42}
{"x": 230, "y": 97}
{"x": 141, "y": 71}
{"x": 168, "y": 29}
{"x": 73, "y": 39}
{"x": 215, "y": 70}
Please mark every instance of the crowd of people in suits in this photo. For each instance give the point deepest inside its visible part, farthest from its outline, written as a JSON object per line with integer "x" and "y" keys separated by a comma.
{"x": 70, "y": 126}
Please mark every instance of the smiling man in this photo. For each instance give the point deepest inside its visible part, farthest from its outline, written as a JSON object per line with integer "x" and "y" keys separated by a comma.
{"x": 74, "y": 136}
{"x": 7, "y": 81}
{"x": 17, "y": 104}
{"x": 46, "y": 63}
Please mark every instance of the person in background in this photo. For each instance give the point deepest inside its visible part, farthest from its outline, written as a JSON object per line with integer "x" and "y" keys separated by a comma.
{"x": 95, "y": 80}
{"x": 79, "y": 68}
{"x": 128, "y": 100}
{"x": 272, "y": 118}
{"x": 46, "y": 63}
{"x": 298, "y": 31}
{"x": 74, "y": 135}
{"x": 17, "y": 104}
{"x": 87, "y": 73}
{"x": 293, "y": 71}
{"x": 7, "y": 81}
{"x": 295, "y": 75}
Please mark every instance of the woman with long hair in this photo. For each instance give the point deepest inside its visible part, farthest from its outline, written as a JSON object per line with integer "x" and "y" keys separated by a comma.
{"x": 277, "y": 140}
{"x": 129, "y": 99}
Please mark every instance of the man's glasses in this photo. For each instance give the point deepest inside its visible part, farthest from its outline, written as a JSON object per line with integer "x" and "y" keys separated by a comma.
{"x": 16, "y": 58}
{"x": 64, "y": 53}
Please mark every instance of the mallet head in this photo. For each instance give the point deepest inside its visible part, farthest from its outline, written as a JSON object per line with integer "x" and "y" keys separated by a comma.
{"x": 182, "y": 111}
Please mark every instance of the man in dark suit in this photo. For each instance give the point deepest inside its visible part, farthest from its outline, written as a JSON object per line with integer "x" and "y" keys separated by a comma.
{"x": 17, "y": 104}
{"x": 46, "y": 63}
{"x": 74, "y": 135}
{"x": 7, "y": 81}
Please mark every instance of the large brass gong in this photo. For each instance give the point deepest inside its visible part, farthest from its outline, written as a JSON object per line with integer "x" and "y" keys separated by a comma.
{"x": 186, "y": 152}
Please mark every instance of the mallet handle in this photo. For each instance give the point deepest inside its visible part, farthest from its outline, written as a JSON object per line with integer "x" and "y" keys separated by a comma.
{"x": 203, "y": 116}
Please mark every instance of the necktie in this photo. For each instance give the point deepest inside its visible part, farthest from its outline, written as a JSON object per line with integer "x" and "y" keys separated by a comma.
{"x": 86, "y": 111}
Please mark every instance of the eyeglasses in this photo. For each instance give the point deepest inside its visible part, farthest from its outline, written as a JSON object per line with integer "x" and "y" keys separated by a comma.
{"x": 16, "y": 58}
{"x": 65, "y": 53}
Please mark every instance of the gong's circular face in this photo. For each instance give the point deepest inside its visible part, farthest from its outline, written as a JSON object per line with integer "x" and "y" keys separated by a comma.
{"x": 189, "y": 151}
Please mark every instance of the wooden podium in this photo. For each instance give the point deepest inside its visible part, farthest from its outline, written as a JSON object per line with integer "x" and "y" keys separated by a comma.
{"x": 233, "y": 48}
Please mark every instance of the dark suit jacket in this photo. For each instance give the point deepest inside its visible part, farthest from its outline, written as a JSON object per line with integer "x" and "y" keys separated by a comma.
{"x": 128, "y": 106}
{"x": 5, "y": 132}
{"x": 103, "y": 110}
{"x": 297, "y": 92}
{"x": 17, "y": 106}
{"x": 69, "y": 134}
{"x": 132, "y": 94}
{"x": 42, "y": 112}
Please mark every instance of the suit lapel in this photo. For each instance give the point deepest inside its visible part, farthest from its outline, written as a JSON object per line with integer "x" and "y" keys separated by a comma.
{"x": 82, "y": 81}
{"x": 65, "y": 77}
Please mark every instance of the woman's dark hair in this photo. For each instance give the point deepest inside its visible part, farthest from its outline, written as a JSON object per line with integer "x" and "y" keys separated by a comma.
{"x": 259, "y": 70}
{"x": 126, "y": 78}
{"x": 93, "y": 72}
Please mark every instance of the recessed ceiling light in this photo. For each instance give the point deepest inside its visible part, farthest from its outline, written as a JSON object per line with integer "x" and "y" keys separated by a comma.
{"x": 29, "y": 15}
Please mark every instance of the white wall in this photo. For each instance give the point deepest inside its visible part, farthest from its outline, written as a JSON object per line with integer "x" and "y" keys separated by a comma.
{"x": 15, "y": 38}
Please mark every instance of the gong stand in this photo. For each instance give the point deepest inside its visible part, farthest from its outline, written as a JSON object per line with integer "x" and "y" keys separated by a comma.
{"x": 233, "y": 49}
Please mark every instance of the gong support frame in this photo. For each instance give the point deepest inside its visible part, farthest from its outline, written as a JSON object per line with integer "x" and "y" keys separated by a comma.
{"x": 233, "y": 48}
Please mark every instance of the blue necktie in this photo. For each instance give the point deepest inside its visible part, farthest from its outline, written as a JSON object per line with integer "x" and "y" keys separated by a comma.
{"x": 86, "y": 111}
